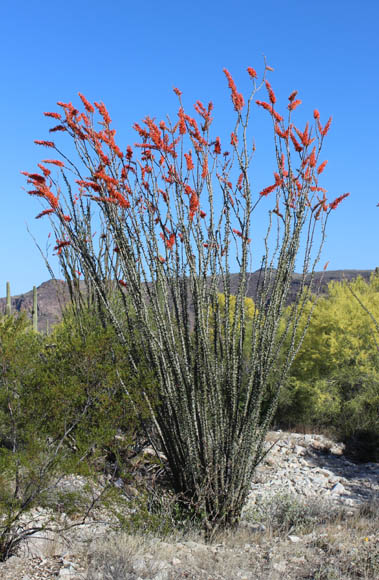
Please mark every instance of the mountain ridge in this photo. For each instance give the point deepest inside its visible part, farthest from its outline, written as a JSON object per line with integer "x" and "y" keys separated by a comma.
{"x": 53, "y": 294}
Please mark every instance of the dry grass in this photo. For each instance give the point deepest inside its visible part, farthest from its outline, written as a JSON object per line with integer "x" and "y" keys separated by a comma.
{"x": 287, "y": 542}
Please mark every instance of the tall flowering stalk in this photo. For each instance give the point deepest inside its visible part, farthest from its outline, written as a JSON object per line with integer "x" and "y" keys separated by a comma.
{"x": 173, "y": 216}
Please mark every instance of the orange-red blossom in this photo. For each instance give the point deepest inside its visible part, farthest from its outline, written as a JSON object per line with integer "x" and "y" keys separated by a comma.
{"x": 164, "y": 139}
{"x": 237, "y": 98}
{"x": 338, "y": 200}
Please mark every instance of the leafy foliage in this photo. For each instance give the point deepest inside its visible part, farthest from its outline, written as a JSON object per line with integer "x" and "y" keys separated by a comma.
{"x": 61, "y": 406}
{"x": 24, "y": 462}
{"x": 335, "y": 377}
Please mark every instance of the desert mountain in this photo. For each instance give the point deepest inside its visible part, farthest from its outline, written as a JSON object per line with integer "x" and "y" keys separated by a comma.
{"x": 53, "y": 294}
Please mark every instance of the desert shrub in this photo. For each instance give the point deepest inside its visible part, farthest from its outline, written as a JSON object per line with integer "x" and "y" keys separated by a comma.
{"x": 61, "y": 406}
{"x": 308, "y": 403}
{"x": 334, "y": 380}
{"x": 20, "y": 350}
{"x": 79, "y": 376}
{"x": 287, "y": 513}
{"x": 27, "y": 464}
{"x": 341, "y": 335}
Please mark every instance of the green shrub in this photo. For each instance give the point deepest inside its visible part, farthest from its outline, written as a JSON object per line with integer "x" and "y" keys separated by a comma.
{"x": 61, "y": 406}
{"x": 334, "y": 380}
{"x": 26, "y": 462}
{"x": 79, "y": 376}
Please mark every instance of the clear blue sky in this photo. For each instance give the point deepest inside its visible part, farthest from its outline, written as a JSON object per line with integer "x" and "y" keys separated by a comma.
{"x": 131, "y": 54}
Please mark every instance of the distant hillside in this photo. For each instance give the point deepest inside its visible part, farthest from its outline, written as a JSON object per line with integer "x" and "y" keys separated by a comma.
{"x": 51, "y": 297}
{"x": 53, "y": 294}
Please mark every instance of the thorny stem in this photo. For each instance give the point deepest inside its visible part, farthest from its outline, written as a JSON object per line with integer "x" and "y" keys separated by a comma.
{"x": 167, "y": 221}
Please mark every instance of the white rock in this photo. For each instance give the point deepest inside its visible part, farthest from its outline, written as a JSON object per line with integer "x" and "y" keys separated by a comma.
{"x": 326, "y": 472}
{"x": 294, "y": 539}
{"x": 139, "y": 565}
{"x": 336, "y": 450}
{"x": 338, "y": 488}
{"x": 299, "y": 450}
{"x": 280, "y": 566}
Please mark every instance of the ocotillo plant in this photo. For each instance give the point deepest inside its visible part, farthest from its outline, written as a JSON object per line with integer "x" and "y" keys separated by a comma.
{"x": 177, "y": 214}
{"x": 35, "y": 311}
{"x": 8, "y": 309}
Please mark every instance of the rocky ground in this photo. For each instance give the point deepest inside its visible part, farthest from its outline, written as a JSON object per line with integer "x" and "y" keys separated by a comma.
{"x": 308, "y": 516}
{"x": 313, "y": 466}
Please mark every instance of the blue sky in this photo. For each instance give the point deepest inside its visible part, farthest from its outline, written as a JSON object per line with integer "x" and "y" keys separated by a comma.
{"x": 130, "y": 55}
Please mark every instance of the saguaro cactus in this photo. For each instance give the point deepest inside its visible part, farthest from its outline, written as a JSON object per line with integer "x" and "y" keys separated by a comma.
{"x": 9, "y": 302}
{"x": 34, "y": 311}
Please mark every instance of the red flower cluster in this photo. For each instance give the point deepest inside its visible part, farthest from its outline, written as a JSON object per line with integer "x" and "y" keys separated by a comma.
{"x": 296, "y": 144}
{"x": 323, "y": 130}
{"x": 338, "y": 200}
{"x": 233, "y": 139}
{"x": 44, "y": 143}
{"x": 292, "y": 106}
{"x": 217, "y": 146}
{"x": 204, "y": 172}
{"x": 121, "y": 181}
{"x": 189, "y": 161}
{"x": 205, "y": 113}
{"x": 170, "y": 242}
{"x": 266, "y": 106}
{"x": 60, "y": 245}
{"x": 282, "y": 134}
{"x": 237, "y": 98}
{"x": 270, "y": 188}
{"x": 103, "y": 112}
{"x": 54, "y": 162}
{"x": 53, "y": 115}
{"x": 44, "y": 212}
{"x": 271, "y": 93}
{"x": 304, "y": 136}
{"x": 194, "y": 205}
{"x": 89, "y": 108}
{"x": 42, "y": 189}
{"x": 326, "y": 128}
{"x": 252, "y": 72}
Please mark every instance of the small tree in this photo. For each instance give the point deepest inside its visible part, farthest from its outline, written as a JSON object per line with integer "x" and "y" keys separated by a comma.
{"x": 334, "y": 378}
{"x": 28, "y": 457}
{"x": 61, "y": 405}
{"x": 174, "y": 218}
